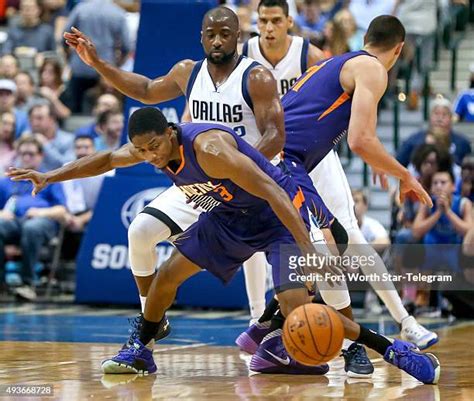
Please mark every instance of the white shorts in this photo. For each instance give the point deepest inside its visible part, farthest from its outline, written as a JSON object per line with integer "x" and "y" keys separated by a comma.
{"x": 172, "y": 202}
{"x": 331, "y": 182}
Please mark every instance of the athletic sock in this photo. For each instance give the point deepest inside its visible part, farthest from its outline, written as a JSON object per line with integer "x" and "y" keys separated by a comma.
{"x": 277, "y": 321}
{"x": 373, "y": 340}
{"x": 143, "y": 303}
{"x": 269, "y": 311}
{"x": 149, "y": 330}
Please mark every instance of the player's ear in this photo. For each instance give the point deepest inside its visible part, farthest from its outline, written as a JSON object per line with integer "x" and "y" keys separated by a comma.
{"x": 399, "y": 48}
{"x": 238, "y": 35}
{"x": 291, "y": 22}
{"x": 201, "y": 38}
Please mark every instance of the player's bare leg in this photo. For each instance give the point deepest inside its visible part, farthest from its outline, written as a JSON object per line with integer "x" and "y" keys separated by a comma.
{"x": 138, "y": 358}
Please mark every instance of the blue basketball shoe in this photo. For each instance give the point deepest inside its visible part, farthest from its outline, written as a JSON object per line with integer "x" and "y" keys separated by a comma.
{"x": 424, "y": 367}
{"x": 133, "y": 359}
{"x": 251, "y": 338}
{"x": 272, "y": 357}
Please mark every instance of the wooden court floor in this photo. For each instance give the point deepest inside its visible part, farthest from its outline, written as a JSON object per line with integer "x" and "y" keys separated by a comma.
{"x": 198, "y": 372}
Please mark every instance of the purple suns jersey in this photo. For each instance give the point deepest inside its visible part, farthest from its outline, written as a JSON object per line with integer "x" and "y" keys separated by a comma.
{"x": 317, "y": 111}
{"x": 193, "y": 181}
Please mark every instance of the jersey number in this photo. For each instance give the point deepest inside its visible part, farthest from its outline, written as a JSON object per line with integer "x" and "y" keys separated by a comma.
{"x": 240, "y": 130}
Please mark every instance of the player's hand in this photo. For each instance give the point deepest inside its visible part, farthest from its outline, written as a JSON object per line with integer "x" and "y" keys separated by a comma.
{"x": 411, "y": 185}
{"x": 39, "y": 180}
{"x": 382, "y": 178}
{"x": 83, "y": 46}
{"x": 34, "y": 212}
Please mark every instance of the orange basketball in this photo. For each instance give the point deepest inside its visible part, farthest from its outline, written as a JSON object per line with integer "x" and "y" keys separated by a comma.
{"x": 313, "y": 334}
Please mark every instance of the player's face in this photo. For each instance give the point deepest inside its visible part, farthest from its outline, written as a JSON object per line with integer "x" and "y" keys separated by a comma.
{"x": 273, "y": 25}
{"x": 219, "y": 40}
{"x": 155, "y": 149}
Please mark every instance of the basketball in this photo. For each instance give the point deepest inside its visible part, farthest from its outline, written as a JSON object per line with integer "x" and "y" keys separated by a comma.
{"x": 313, "y": 334}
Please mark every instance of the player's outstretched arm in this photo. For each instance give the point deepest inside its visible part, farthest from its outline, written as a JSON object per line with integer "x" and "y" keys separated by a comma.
{"x": 370, "y": 80}
{"x": 268, "y": 112}
{"x": 136, "y": 86}
{"x": 88, "y": 166}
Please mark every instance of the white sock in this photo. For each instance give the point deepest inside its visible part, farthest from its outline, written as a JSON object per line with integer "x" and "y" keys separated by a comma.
{"x": 143, "y": 302}
{"x": 389, "y": 296}
{"x": 255, "y": 270}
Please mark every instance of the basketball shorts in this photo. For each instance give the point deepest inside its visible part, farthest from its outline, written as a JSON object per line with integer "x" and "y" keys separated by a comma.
{"x": 222, "y": 239}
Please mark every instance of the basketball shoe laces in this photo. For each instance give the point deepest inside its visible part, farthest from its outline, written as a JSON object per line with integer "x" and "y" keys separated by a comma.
{"x": 357, "y": 353}
{"x": 128, "y": 353}
{"x": 405, "y": 363}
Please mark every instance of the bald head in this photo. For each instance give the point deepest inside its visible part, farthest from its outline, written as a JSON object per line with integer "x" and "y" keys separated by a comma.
{"x": 221, "y": 15}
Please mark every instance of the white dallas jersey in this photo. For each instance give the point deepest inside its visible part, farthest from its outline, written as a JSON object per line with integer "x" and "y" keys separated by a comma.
{"x": 289, "y": 69}
{"x": 229, "y": 104}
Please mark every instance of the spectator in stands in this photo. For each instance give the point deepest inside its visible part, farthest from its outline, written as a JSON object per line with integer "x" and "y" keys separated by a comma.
{"x": 111, "y": 127}
{"x": 51, "y": 86}
{"x": 29, "y": 31}
{"x": 26, "y": 91}
{"x": 311, "y": 22}
{"x": 7, "y": 138}
{"x": 447, "y": 222}
{"x": 374, "y": 232}
{"x": 464, "y": 104}
{"x": 426, "y": 160}
{"x": 81, "y": 197}
{"x": 335, "y": 39}
{"x": 355, "y": 39}
{"x": 108, "y": 30}
{"x": 93, "y": 94}
{"x": 439, "y": 132}
{"x": 9, "y": 66}
{"x": 58, "y": 145}
{"x": 7, "y": 104}
{"x": 55, "y": 14}
{"x": 104, "y": 103}
{"x": 465, "y": 186}
{"x": 31, "y": 221}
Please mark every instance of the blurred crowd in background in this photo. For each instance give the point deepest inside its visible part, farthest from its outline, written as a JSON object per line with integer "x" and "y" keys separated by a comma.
{"x": 55, "y": 109}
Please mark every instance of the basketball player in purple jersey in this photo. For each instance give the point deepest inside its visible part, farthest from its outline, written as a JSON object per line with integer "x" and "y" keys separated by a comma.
{"x": 261, "y": 209}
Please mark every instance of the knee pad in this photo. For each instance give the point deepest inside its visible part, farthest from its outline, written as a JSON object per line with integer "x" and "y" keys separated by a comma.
{"x": 340, "y": 236}
{"x": 144, "y": 233}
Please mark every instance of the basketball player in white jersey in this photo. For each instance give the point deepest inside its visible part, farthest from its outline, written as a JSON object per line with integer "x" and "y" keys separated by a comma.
{"x": 224, "y": 88}
{"x": 283, "y": 55}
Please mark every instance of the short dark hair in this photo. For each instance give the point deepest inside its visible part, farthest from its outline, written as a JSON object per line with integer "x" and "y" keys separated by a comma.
{"x": 105, "y": 116}
{"x": 146, "y": 120}
{"x": 83, "y": 136}
{"x": 43, "y": 103}
{"x": 449, "y": 172}
{"x": 385, "y": 32}
{"x": 283, "y": 4}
